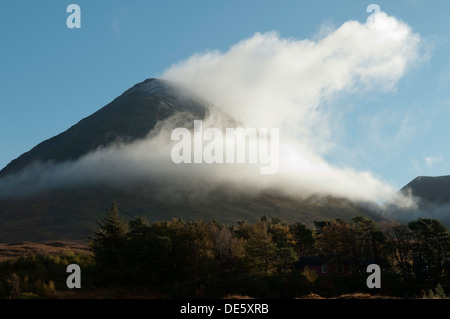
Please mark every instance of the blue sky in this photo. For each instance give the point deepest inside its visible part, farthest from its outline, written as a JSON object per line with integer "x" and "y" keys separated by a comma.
{"x": 53, "y": 76}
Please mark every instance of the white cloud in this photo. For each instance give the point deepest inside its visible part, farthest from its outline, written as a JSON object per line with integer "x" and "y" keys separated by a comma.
{"x": 270, "y": 81}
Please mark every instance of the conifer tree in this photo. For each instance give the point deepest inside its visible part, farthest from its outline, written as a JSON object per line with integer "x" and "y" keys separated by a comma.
{"x": 260, "y": 248}
{"x": 109, "y": 239}
{"x": 432, "y": 243}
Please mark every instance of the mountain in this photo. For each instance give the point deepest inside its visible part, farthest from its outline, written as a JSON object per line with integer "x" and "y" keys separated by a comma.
{"x": 129, "y": 117}
{"x": 431, "y": 196}
{"x": 435, "y": 190}
{"x": 70, "y": 213}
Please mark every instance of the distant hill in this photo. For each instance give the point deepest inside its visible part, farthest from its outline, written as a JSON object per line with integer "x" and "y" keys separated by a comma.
{"x": 434, "y": 190}
{"x": 431, "y": 196}
{"x": 69, "y": 214}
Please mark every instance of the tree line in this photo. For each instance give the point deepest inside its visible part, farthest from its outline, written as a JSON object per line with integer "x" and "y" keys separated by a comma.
{"x": 209, "y": 259}
{"x": 180, "y": 259}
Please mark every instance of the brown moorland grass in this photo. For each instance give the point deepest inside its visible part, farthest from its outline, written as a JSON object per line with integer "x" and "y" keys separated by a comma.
{"x": 19, "y": 249}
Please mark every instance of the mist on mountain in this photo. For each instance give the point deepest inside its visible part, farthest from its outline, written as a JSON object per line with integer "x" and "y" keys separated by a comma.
{"x": 431, "y": 197}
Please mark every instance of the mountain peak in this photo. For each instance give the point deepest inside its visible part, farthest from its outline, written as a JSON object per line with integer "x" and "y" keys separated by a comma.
{"x": 129, "y": 117}
{"x": 152, "y": 86}
{"x": 434, "y": 189}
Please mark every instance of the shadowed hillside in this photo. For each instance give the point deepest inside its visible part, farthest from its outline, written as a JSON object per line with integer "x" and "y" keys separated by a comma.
{"x": 432, "y": 189}
{"x": 72, "y": 215}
